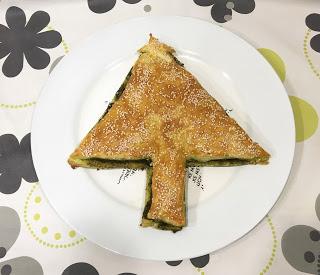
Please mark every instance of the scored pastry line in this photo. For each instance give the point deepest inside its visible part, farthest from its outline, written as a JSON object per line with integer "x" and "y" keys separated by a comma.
{"x": 32, "y": 231}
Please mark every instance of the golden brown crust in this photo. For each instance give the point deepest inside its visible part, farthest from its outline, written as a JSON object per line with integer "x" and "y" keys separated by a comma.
{"x": 165, "y": 115}
{"x": 168, "y": 181}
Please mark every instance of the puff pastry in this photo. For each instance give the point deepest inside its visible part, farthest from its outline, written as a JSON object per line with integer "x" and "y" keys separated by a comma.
{"x": 163, "y": 120}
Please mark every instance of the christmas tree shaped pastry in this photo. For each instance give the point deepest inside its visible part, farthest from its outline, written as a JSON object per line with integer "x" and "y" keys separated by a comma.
{"x": 162, "y": 119}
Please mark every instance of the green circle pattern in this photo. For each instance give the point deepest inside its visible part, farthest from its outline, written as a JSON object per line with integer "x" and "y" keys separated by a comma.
{"x": 35, "y": 236}
{"x": 305, "y": 117}
{"x": 274, "y": 247}
{"x": 17, "y": 106}
{"x": 275, "y": 61}
{"x": 306, "y": 54}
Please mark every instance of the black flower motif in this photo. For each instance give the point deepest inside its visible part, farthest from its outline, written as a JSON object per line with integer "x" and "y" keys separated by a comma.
{"x": 20, "y": 39}
{"x": 80, "y": 269}
{"x": 198, "y": 262}
{"x": 102, "y": 6}
{"x": 174, "y": 263}
{"x": 313, "y": 23}
{"x": 301, "y": 246}
{"x": 221, "y": 10}
{"x": 15, "y": 163}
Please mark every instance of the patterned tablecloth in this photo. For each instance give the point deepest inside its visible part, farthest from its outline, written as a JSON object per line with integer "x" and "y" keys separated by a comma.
{"x": 36, "y": 35}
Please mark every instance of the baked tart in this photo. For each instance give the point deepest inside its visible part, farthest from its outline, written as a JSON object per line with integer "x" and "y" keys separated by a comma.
{"x": 163, "y": 120}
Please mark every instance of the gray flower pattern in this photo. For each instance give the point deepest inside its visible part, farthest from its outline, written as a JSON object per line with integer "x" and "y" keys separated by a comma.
{"x": 301, "y": 246}
{"x": 20, "y": 39}
{"x": 15, "y": 163}
{"x": 9, "y": 231}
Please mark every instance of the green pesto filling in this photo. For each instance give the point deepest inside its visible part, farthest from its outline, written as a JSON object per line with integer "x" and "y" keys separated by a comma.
{"x": 114, "y": 163}
{"x": 220, "y": 162}
{"x": 122, "y": 87}
{"x": 224, "y": 162}
{"x": 177, "y": 61}
{"x": 146, "y": 163}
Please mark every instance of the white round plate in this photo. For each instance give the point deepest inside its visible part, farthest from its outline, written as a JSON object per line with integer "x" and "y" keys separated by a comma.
{"x": 106, "y": 206}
